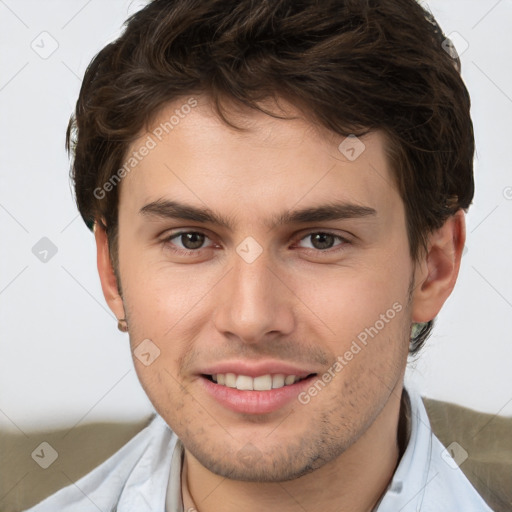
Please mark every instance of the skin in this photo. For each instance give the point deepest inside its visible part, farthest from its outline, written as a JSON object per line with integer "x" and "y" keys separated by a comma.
{"x": 298, "y": 302}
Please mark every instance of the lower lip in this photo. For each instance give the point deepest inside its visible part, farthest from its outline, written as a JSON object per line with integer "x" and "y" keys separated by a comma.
{"x": 254, "y": 402}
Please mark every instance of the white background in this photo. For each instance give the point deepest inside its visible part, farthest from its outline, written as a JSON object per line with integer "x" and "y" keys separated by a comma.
{"x": 63, "y": 361}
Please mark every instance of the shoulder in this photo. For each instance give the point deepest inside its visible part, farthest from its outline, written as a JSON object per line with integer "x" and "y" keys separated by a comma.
{"x": 428, "y": 476}
{"x": 480, "y": 446}
{"x": 102, "y": 487}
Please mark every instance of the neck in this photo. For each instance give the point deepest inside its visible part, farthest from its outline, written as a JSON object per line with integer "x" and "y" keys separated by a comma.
{"x": 354, "y": 482}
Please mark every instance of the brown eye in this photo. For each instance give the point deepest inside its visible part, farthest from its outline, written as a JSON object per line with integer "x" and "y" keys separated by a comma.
{"x": 322, "y": 241}
{"x": 186, "y": 242}
{"x": 192, "y": 240}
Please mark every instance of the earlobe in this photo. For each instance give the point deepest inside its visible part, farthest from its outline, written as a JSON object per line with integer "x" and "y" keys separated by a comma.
{"x": 106, "y": 273}
{"x": 437, "y": 273}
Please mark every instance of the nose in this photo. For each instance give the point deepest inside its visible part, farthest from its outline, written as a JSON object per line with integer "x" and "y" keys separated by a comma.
{"x": 254, "y": 302}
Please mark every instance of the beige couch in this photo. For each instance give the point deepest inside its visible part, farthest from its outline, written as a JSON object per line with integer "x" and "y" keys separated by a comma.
{"x": 486, "y": 438}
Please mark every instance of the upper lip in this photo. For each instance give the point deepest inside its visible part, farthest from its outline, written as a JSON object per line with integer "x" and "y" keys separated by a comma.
{"x": 256, "y": 369}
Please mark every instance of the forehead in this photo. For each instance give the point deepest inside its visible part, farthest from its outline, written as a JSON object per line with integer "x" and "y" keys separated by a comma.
{"x": 193, "y": 156}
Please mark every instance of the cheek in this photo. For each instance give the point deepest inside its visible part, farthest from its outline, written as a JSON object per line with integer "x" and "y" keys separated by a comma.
{"x": 346, "y": 301}
{"x": 165, "y": 391}
{"x": 364, "y": 319}
{"x": 164, "y": 306}
{"x": 159, "y": 296}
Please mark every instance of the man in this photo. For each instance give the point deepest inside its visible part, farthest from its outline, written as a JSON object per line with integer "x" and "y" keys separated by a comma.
{"x": 277, "y": 191}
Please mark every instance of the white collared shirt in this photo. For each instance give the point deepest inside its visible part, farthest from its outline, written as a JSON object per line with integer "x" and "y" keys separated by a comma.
{"x": 145, "y": 476}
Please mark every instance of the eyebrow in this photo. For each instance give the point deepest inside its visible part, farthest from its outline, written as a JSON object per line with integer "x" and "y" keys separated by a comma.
{"x": 167, "y": 209}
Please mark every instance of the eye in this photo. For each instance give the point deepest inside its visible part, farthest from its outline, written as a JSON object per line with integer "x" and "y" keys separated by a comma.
{"x": 191, "y": 241}
{"x": 323, "y": 241}
{"x": 188, "y": 243}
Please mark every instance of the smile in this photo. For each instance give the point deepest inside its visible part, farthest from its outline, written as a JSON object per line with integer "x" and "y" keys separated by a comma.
{"x": 260, "y": 383}
{"x": 261, "y": 394}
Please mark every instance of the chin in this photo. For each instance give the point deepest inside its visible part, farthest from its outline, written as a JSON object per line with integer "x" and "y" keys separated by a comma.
{"x": 275, "y": 464}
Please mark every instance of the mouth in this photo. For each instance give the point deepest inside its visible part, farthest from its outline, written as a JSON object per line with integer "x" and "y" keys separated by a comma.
{"x": 265, "y": 382}
{"x": 258, "y": 395}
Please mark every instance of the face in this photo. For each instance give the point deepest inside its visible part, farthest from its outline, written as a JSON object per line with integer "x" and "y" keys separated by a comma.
{"x": 255, "y": 293}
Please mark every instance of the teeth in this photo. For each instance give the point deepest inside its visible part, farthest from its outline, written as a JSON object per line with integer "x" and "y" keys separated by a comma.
{"x": 244, "y": 383}
{"x": 278, "y": 381}
{"x": 290, "y": 379}
{"x": 263, "y": 383}
{"x": 260, "y": 383}
{"x": 230, "y": 380}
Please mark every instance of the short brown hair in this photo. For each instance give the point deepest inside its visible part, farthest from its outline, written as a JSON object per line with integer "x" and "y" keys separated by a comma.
{"x": 351, "y": 66}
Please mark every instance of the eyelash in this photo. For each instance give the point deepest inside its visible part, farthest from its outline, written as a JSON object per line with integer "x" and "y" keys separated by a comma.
{"x": 167, "y": 241}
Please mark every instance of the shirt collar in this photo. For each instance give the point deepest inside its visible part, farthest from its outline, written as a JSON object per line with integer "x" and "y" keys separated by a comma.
{"x": 410, "y": 480}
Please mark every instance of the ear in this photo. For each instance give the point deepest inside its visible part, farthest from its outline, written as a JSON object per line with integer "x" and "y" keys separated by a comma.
{"x": 437, "y": 271}
{"x": 106, "y": 272}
